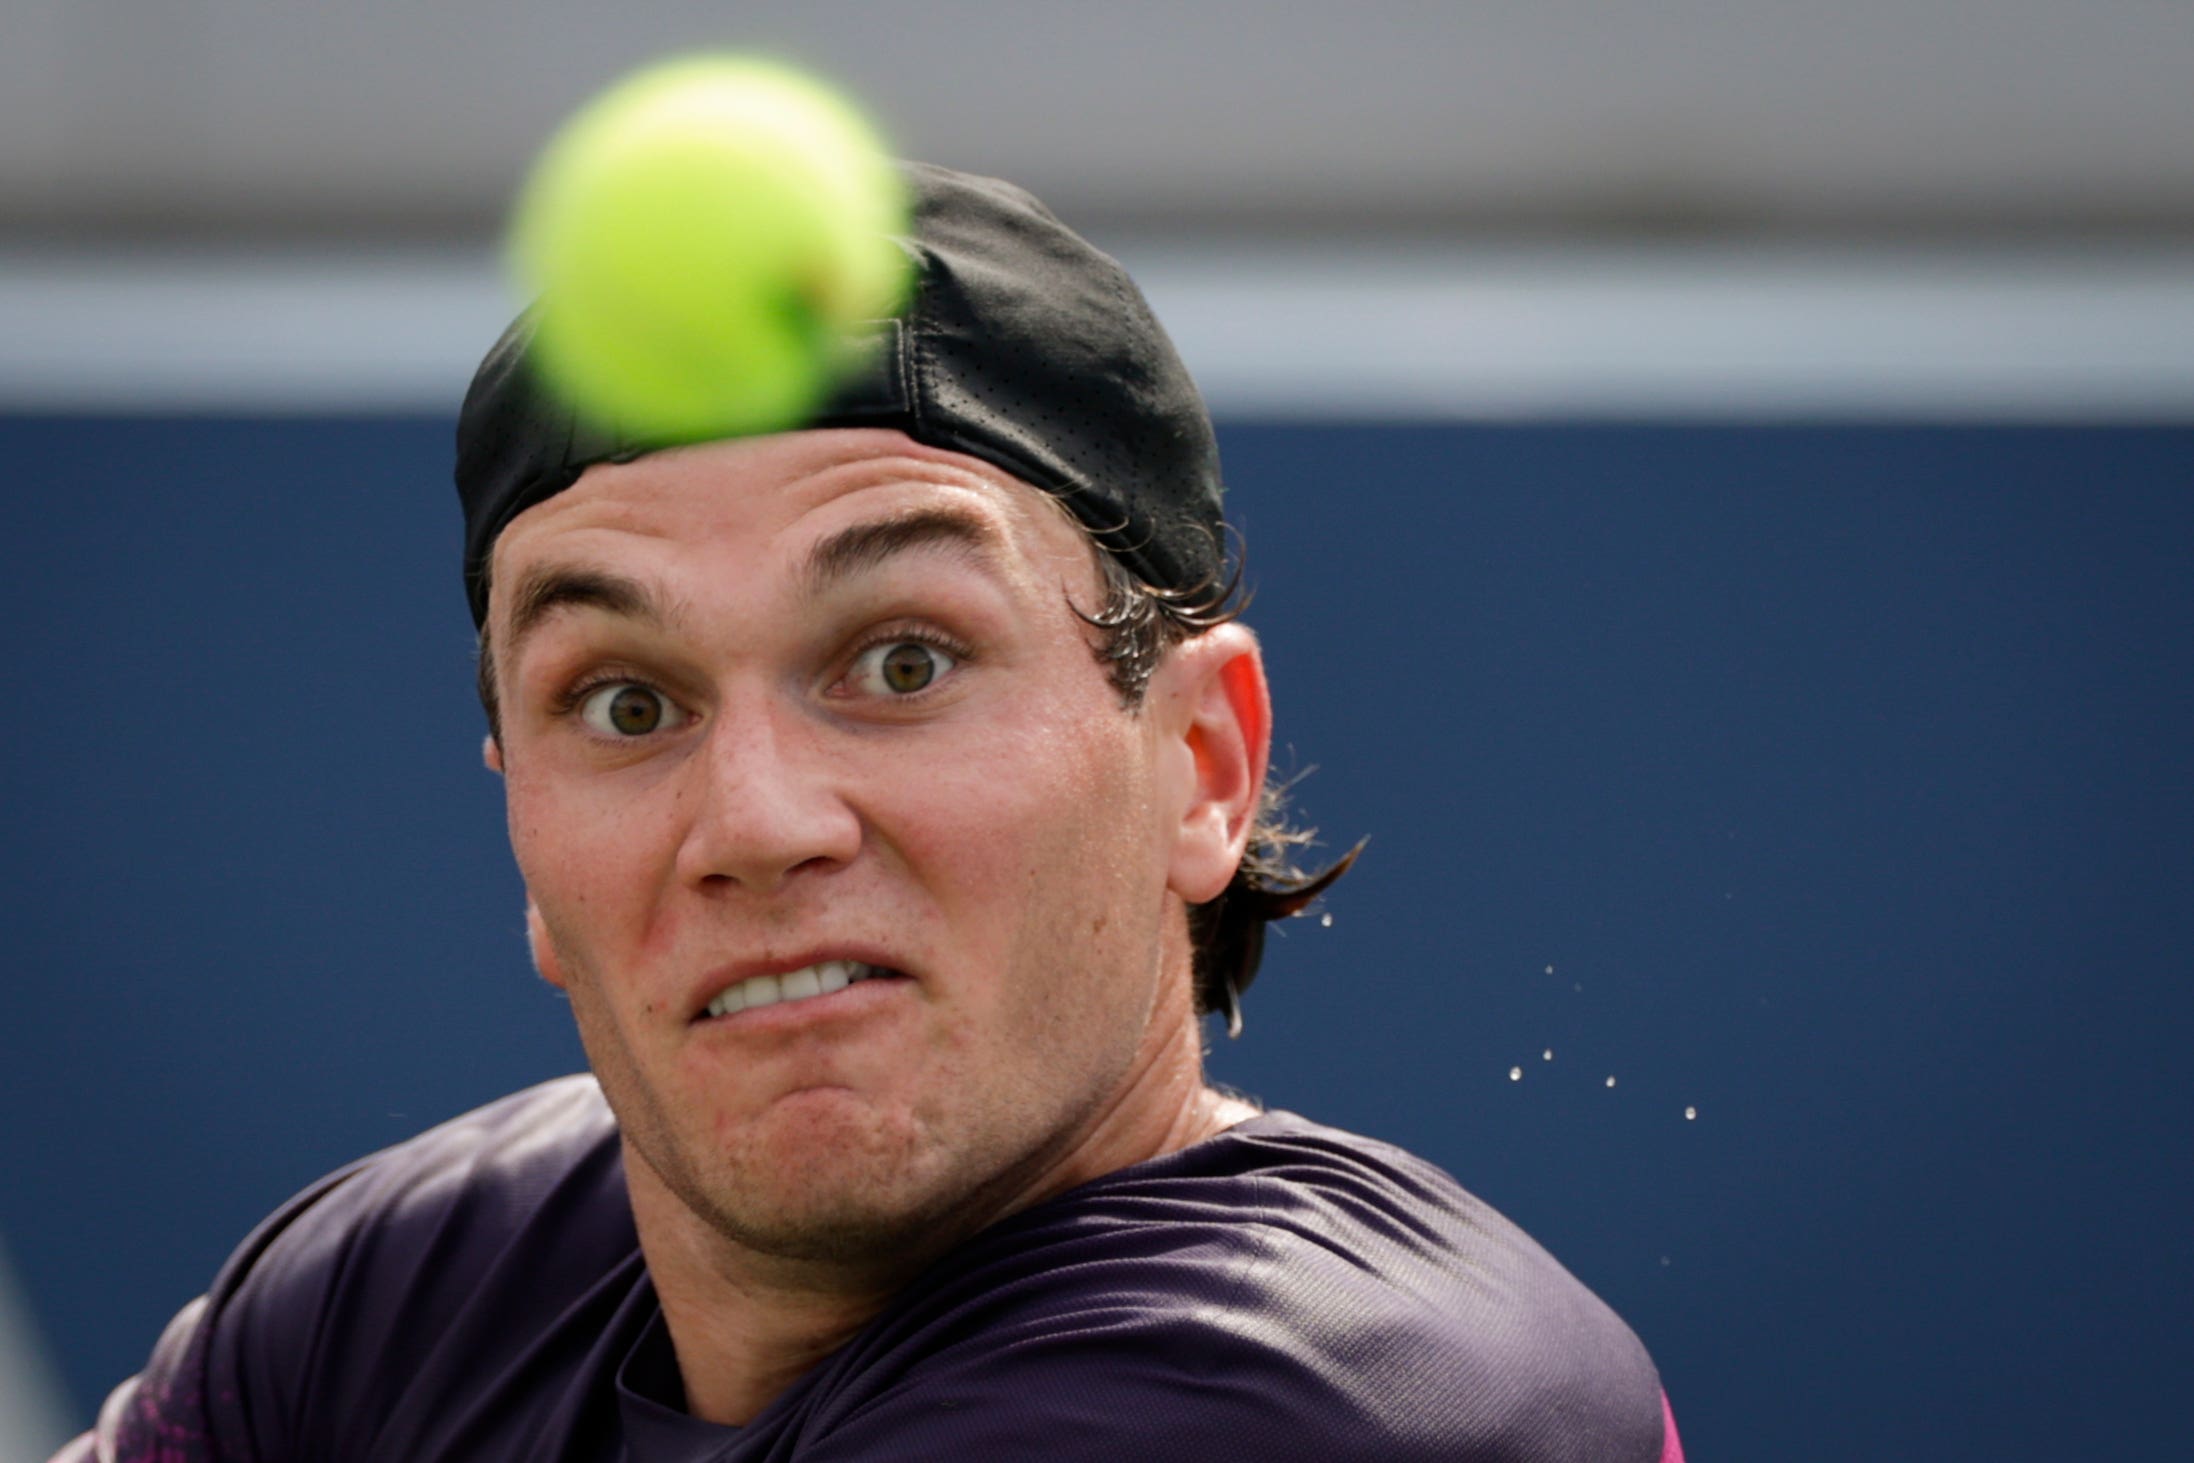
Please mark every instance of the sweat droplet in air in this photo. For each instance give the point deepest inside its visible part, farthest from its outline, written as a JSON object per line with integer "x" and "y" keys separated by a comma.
{"x": 1691, "y": 1114}
{"x": 1515, "y": 1074}
{"x": 1547, "y": 1055}
{"x": 1326, "y": 920}
{"x": 1611, "y": 1081}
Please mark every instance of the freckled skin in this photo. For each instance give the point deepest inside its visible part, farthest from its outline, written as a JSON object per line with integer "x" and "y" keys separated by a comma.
{"x": 1013, "y": 839}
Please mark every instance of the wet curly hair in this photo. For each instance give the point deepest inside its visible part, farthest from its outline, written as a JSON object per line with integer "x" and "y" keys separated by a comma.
{"x": 1136, "y": 625}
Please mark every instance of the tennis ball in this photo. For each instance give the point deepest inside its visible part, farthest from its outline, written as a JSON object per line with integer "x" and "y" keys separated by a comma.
{"x": 699, "y": 240}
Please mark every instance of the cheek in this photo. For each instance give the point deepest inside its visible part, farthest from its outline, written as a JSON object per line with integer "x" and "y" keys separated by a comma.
{"x": 590, "y": 861}
{"x": 1015, "y": 800}
{"x": 1036, "y": 841}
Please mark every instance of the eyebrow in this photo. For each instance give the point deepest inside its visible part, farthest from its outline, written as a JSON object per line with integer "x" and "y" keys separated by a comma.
{"x": 551, "y": 587}
{"x": 865, "y": 546}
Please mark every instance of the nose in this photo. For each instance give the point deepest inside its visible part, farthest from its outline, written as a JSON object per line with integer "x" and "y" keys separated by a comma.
{"x": 765, "y": 804}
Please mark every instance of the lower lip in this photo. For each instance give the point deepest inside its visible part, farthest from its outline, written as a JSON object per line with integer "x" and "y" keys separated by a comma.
{"x": 855, "y": 1000}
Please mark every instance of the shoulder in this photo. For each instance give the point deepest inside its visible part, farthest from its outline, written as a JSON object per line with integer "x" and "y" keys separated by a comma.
{"x": 459, "y": 1192}
{"x": 472, "y": 1233}
{"x": 1284, "y": 1291}
{"x": 1434, "y": 1311}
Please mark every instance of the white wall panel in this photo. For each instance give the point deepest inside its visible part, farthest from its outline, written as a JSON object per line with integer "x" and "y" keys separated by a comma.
{"x": 1353, "y": 333}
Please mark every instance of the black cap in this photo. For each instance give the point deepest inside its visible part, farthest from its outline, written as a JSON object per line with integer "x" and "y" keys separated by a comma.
{"x": 1023, "y": 346}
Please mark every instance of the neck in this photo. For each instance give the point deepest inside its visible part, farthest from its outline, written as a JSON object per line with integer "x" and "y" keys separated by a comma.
{"x": 743, "y": 1331}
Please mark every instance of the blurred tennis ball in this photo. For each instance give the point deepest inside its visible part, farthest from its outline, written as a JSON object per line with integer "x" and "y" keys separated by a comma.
{"x": 699, "y": 238}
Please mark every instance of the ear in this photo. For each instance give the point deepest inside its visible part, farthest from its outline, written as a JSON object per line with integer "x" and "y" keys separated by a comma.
{"x": 544, "y": 949}
{"x": 491, "y": 754}
{"x": 1217, "y": 716}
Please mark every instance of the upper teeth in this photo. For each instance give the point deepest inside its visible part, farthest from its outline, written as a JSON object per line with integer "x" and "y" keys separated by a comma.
{"x": 794, "y": 985}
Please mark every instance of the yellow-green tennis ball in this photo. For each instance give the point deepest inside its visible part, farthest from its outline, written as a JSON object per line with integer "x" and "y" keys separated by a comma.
{"x": 699, "y": 239}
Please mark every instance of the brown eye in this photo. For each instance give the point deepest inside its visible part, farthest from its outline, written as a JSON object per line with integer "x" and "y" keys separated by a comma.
{"x": 634, "y": 711}
{"x": 901, "y": 668}
{"x": 909, "y": 667}
{"x": 628, "y": 710}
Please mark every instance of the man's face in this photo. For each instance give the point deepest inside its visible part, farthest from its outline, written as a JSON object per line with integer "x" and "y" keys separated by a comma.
{"x": 817, "y": 707}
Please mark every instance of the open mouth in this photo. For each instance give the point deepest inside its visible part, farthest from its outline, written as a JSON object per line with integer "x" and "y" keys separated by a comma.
{"x": 823, "y": 978}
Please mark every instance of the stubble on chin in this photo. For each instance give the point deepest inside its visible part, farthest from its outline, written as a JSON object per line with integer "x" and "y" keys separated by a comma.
{"x": 877, "y": 1195}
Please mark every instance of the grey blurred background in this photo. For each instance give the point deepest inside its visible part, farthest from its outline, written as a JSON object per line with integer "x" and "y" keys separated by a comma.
{"x": 223, "y": 119}
{"x": 1926, "y": 207}
{"x": 1706, "y": 212}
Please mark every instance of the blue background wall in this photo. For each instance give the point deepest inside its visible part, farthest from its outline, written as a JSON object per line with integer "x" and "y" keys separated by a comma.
{"x": 1834, "y": 781}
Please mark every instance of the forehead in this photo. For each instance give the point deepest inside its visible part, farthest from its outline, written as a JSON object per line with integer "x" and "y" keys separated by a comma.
{"x": 764, "y": 502}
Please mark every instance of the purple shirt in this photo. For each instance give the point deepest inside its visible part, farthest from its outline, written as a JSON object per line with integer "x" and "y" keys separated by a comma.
{"x": 1279, "y": 1292}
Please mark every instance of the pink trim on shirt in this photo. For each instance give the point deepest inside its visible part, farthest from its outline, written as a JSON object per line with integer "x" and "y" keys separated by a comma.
{"x": 1672, "y": 1450}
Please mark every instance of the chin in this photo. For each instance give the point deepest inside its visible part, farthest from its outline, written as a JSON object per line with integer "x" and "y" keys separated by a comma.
{"x": 845, "y": 1213}
{"x": 825, "y": 1184}
{"x": 848, "y": 1237}
{"x": 820, "y": 1179}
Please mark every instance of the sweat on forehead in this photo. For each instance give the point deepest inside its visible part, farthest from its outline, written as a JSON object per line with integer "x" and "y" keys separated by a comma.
{"x": 1023, "y": 346}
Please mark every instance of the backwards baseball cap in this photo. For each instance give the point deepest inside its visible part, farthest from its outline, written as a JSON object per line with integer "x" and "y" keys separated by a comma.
{"x": 1023, "y": 346}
